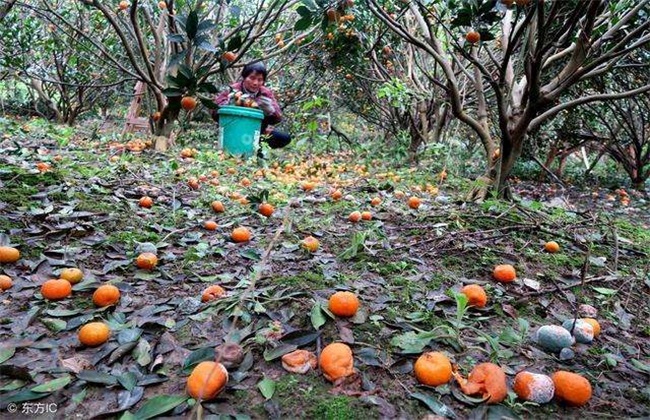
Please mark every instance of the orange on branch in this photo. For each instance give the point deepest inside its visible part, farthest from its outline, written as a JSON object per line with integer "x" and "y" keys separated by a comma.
{"x": 188, "y": 103}
{"x": 473, "y": 37}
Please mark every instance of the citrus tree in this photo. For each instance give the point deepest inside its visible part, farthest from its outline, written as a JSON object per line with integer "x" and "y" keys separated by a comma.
{"x": 507, "y": 68}
{"x": 59, "y": 69}
{"x": 176, "y": 48}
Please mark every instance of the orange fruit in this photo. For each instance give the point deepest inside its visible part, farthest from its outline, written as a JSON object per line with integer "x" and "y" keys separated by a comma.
{"x": 241, "y": 234}
{"x": 188, "y": 103}
{"x": 299, "y": 361}
{"x": 207, "y": 380}
{"x": 187, "y": 153}
{"x": 310, "y": 243}
{"x": 473, "y": 37}
{"x": 231, "y": 170}
{"x": 414, "y": 202}
{"x": 432, "y": 369}
{"x": 594, "y": 324}
{"x": 336, "y": 361}
{"x": 366, "y": 215}
{"x": 146, "y": 261}
{"x": 146, "y": 202}
{"x": 245, "y": 182}
{"x": 212, "y": 292}
{"x": 505, "y": 273}
{"x": 343, "y": 304}
{"x": 571, "y": 388}
{"x": 533, "y": 387}
{"x": 307, "y": 186}
{"x": 229, "y": 56}
{"x": 94, "y": 333}
{"x": 56, "y": 289}
{"x": 106, "y": 295}
{"x": 476, "y": 296}
{"x": 486, "y": 379}
{"x": 336, "y": 195}
{"x": 210, "y": 225}
{"x": 399, "y": 194}
{"x": 156, "y": 115}
{"x": 193, "y": 183}
{"x": 375, "y": 201}
{"x": 218, "y": 207}
{"x": 162, "y": 4}
{"x": 266, "y": 209}
{"x": 73, "y": 275}
{"x": 43, "y": 166}
{"x": 5, "y": 282}
{"x": 355, "y": 216}
{"x": 9, "y": 254}
{"x": 552, "y": 247}
{"x": 124, "y": 5}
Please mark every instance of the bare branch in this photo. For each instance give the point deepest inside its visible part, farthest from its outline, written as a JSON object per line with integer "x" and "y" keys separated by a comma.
{"x": 536, "y": 122}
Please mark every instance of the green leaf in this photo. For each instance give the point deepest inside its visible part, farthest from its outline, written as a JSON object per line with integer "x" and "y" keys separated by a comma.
{"x": 303, "y": 11}
{"x": 208, "y": 103}
{"x": 267, "y": 387}
{"x": 234, "y": 43}
{"x": 412, "y": 342}
{"x": 640, "y": 366}
{"x": 142, "y": 352}
{"x": 434, "y": 405}
{"x": 176, "y": 38}
{"x": 159, "y": 405}
{"x": 192, "y": 24}
{"x": 53, "y": 324}
{"x": 7, "y": 353}
{"x": 53, "y": 385}
{"x": 605, "y": 291}
{"x": 198, "y": 356}
{"x": 317, "y": 316}
{"x": 303, "y": 24}
{"x": 279, "y": 351}
{"x": 129, "y": 335}
{"x": 172, "y": 92}
{"x": 26, "y": 395}
{"x": 96, "y": 377}
{"x": 128, "y": 380}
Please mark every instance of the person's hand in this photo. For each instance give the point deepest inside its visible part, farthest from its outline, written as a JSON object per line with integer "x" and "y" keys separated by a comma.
{"x": 269, "y": 129}
{"x": 265, "y": 104}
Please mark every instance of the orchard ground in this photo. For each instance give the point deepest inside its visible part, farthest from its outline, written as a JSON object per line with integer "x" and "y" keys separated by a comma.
{"x": 405, "y": 266}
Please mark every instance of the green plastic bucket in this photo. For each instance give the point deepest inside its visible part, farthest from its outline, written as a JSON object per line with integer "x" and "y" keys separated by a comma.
{"x": 239, "y": 129}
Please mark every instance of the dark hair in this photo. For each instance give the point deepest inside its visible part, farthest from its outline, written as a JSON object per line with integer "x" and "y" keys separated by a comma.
{"x": 257, "y": 67}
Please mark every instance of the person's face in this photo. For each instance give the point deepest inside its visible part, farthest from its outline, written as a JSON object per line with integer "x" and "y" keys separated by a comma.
{"x": 253, "y": 82}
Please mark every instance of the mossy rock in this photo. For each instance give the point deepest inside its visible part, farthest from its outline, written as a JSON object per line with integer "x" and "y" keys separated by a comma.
{"x": 583, "y": 331}
{"x": 554, "y": 337}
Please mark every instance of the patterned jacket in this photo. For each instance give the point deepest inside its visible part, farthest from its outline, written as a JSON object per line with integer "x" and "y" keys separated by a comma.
{"x": 273, "y": 117}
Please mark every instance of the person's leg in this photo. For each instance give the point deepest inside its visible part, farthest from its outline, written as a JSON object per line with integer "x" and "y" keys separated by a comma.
{"x": 277, "y": 139}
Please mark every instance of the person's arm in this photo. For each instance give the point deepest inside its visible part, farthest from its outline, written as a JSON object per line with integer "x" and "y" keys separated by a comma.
{"x": 270, "y": 106}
